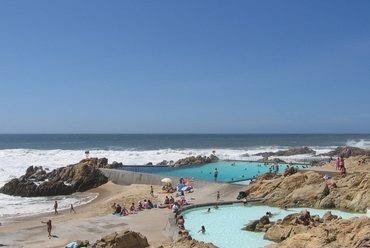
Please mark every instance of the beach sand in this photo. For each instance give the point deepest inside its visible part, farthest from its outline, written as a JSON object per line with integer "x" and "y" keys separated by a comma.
{"x": 95, "y": 220}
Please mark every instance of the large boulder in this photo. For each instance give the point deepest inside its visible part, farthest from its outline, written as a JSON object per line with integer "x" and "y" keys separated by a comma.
{"x": 124, "y": 239}
{"x": 61, "y": 181}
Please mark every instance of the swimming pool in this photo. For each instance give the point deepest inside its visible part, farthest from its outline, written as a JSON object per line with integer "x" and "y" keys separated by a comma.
{"x": 227, "y": 170}
{"x": 223, "y": 225}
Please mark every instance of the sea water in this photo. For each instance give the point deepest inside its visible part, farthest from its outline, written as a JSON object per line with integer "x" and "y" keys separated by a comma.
{"x": 225, "y": 226}
{"x": 19, "y": 151}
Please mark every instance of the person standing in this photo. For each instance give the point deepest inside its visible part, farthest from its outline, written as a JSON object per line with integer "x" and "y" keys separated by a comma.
{"x": 48, "y": 223}
{"x": 215, "y": 174}
{"x": 72, "y": 209}
{"x": 151, "y": 191}
{"x": 218, "y": 195}
{"x": 56, "y": 207}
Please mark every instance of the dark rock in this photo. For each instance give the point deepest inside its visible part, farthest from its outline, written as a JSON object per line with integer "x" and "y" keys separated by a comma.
{"x": 61, "y": 181}
{"x": 196, "y": 160}
{"x": 347, "y": 152}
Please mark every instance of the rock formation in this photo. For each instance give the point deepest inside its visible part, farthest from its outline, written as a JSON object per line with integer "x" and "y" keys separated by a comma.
{"x": 328, "y": 231}
{"x": 131, "y": 239}
{"x": 124, "y": 239}
{"x": 310, "y": 189}
{"x": 347, "y": 152}
{"x": 196, "y": 160}
{"x": 289, "y": 152}
{"x": 61, "y": 181}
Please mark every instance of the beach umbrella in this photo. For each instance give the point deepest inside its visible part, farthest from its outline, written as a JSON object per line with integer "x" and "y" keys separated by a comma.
{"x": 166, "y": 180}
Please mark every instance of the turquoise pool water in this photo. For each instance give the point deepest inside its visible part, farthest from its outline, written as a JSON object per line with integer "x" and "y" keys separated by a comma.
{"x": 223, "y": 226}
{"x": 227, "y": 170}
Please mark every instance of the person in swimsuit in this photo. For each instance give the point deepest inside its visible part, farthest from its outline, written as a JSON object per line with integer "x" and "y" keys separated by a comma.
{"x": 48, "y": 224}
{"x": 56, "y": 207}
{"x": 203, "y": 230}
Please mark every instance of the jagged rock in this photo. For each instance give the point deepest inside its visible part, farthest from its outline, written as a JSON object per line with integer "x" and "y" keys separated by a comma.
{"x": 164, "y": 162}
{"x": 114, "y": 165}
{"x": 309, "y": 189}
{"x": 124, "y": 239}
{"x": 196, "y": 160}
{"x": 289, "y": 152}
{"x": 347, "y": 152}
{"x": 334, "y": 232}
{"x": 187, "y": 242}
{"x": 61, "y": 181}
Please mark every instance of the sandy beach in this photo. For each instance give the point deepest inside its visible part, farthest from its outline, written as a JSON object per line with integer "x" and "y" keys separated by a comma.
{"x": 95, "y": 220}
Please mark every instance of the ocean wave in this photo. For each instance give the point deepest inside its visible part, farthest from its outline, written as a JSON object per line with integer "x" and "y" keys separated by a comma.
{"x": 364, "y": 144}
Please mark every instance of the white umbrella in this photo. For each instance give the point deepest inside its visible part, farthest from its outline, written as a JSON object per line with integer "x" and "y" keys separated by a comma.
{"x": 166, "y": 180}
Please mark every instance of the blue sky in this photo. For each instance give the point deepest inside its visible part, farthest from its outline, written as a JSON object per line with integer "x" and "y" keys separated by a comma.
{"x": 185, "y": 66}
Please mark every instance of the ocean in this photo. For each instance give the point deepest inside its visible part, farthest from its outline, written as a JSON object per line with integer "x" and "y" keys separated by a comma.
{"x": 19, "y": 151}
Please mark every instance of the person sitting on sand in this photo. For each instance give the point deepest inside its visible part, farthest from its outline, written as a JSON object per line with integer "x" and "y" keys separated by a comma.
{"x": 113, "y": 206}
{"x": 203, "y": 230}
{"x": 124, "y": 211}
{"x": 48, "y": 223}
{"x": 172, "y": 200}
{"x": 118, "y": 209}
{"x": 133, "y": 209}
{"x": 167, "y": 200}
{"x": 146, "y": 205}
{"x": 150, "y": 204}
{"x": 140, "y": 205}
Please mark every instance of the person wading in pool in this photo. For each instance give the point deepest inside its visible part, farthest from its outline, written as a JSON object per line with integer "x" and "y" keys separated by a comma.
{"x": 203, "y": 230}
{"x": 215, "y": 174}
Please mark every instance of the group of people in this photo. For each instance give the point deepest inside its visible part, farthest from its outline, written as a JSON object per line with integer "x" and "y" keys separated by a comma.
{"x": 180, "y": 221}
{"x": 133, "y": 209}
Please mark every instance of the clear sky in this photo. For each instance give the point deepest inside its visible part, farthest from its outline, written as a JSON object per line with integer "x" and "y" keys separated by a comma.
{"x": 185, "y": 66}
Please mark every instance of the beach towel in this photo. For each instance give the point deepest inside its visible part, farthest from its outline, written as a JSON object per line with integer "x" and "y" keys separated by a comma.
{"x": 72, "y": 245}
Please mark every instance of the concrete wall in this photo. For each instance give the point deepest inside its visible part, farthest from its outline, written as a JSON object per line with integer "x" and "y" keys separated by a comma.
{"x": 122, "y": 177}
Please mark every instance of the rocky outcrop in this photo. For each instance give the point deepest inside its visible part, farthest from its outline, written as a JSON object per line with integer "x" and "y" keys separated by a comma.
{"x": 347, "y": 152}
{"x": 196, "y": 160}
{"x": 131, "y": 239}
{"x": 289, "y": 152}
{"x": 328, "y": 231}
{"x": 124, "y": 239}
{"x": 311, "y": 190}
{"x": 187, "y": 241}
{"x": 61, "y": 181}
